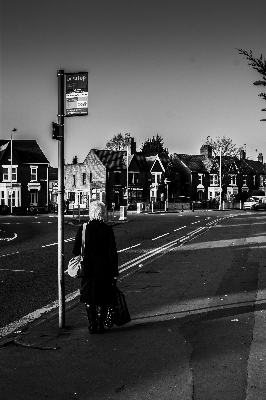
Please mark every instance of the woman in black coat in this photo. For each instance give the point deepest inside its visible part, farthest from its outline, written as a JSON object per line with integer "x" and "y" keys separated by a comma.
{"x": 100, "y": 266}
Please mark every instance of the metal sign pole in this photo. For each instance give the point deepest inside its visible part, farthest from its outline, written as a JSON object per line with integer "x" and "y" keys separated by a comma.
{"x": 61, "y": 283}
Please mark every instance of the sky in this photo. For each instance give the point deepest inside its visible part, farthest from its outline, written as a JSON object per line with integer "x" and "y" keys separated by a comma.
{"x": 154, "y": 66}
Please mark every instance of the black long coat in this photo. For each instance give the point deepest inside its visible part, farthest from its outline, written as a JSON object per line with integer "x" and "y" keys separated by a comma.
{"x": 100, "y": 263}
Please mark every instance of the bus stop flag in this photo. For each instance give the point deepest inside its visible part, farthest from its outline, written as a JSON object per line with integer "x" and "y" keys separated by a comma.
{"x": 76, "y": 94}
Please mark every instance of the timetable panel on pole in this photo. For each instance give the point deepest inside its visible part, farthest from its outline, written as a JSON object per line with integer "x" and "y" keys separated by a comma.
{"x": 76, "y": 94}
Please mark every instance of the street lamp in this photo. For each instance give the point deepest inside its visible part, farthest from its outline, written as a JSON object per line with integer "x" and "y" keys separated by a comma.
{"x": 11, "y": 162}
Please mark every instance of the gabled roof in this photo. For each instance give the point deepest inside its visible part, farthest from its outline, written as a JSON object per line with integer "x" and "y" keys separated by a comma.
{"x": 2, "y": 150}
{"x": 193, "y": 162}
{"x": 27, "y": 151}
{"x": 112, "y": 159}
{"x": 147, "y": 160}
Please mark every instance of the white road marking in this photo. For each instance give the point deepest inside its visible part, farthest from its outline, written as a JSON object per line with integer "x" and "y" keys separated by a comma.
{"x": 9, "y": 239}
{"x": 37, "y": 313}
{"x": 178, "y": 229}
{"x": 14, "y": 270}
{"x": 9, "y": 254}
{"x": 6, "y": 330}
{"x": 128, "y": 248}
{"x": 158, "y": 237}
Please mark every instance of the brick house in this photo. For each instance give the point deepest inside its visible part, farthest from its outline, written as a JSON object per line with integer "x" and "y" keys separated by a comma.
{"x": 102, "y": 176}
{"x": 241, "y": 176}
{"x": 27, "y": 184}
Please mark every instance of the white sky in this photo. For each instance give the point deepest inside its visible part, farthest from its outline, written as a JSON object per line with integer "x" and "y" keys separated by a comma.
{"x": 166, "y": 67}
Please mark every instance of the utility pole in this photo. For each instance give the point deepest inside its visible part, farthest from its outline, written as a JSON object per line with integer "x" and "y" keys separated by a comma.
{"x": 220, "y": 203}
{"x": 11, "y": 162}
{"x": 60, "y": 116}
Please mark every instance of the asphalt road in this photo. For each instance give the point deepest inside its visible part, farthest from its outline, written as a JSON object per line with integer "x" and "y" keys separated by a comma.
{"x": 198, "y": 308}
{"x": 28, "y": 253}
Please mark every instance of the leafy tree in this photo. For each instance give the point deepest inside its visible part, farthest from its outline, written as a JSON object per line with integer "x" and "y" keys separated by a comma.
{"x": 75, "y": 160}
{"x": 259, "y": 64}
{"x": 154, "y": 145}
{"x": 119, "y": 142}
{"x": 229, "y": 151}
{"x": 224, "y": 145}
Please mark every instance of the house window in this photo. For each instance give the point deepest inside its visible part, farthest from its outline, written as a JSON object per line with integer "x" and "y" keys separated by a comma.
{"x": 33, "y": 174}
{"x": 213, "y": 179}
{"x": 133, "y": 178}
{"x": 233, "y": 180}
{"x": 156, "y": 177}
{"x": 254, "y": 180}
{"x": 117, "y": 178}
{"x": 244, "y": 180}
{"x": 84, "y": 178}
{"x": 261, "y": 180}
{"x": 74, "y": 180}
{"x": 7, "y": 174}
{"x": 200, "y": 179}
{"x": 90, "y": 177}
{"x": 2, "y": 198}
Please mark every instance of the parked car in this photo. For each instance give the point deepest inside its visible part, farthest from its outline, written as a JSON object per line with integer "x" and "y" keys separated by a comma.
{"x": 251, "y": 202}
{"x": 261, "y": 204}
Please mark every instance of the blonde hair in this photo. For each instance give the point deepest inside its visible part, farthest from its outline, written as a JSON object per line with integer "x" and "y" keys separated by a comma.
{"x": 97, "y": 210}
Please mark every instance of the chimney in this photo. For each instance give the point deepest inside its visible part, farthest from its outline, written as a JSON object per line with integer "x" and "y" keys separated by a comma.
{"x": 132, "y": 146}
{"x": 206, "y": 150}
{"x": 242, "y": 154}
{"x": 260, "y": 157}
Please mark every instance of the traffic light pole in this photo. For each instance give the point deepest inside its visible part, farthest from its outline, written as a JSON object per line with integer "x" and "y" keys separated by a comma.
{"x": 60, "y": 116}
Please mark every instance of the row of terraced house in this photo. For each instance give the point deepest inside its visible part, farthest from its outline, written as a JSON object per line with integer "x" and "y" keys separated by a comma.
{"x": 109, "y": 175}
{"x": 28, "y": 182}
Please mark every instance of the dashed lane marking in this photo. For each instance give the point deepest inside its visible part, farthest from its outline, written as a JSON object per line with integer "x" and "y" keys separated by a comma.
{"x": 158, "y": 237}
{"x": 128, "y": 248}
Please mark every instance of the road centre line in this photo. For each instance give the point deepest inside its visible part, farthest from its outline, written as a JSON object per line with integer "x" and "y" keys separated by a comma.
{"x": 135, "y": 261}
{"x": 158, "y": 237}
{"x": 179, "y": 228}
{"x": 16, "y": 325}
{"x": 128, "y": 248}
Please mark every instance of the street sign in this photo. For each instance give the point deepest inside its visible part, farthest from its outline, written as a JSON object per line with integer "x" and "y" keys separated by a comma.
{"x": 76, "y": 94}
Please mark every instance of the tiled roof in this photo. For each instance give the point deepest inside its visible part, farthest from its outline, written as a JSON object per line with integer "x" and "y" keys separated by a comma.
{"x": 193, "y": 162}
{"x": 251, "y": 166}
{"x": 112, "y": 159}
{"x": 27, "y": 151}
{"x": 146, "y": 160}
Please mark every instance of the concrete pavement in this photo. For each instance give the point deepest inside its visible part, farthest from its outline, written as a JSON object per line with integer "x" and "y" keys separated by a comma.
{"x": 197, "y": 332}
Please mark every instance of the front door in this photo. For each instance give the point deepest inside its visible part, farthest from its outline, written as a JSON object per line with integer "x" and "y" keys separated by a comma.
{"x": 117, "y": 199}
{"x": 34, "y": 197}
